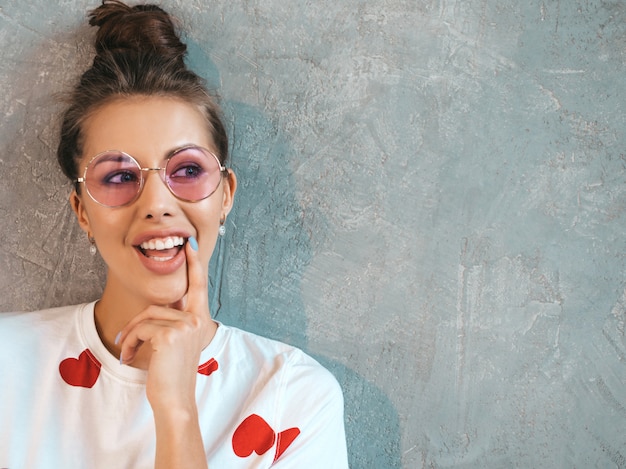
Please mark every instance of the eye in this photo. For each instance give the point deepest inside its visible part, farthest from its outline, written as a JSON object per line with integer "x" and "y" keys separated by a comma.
{"x": 114, "y": 169}
{"x": 121, "y": 177}
{"x": 187, "y": 171}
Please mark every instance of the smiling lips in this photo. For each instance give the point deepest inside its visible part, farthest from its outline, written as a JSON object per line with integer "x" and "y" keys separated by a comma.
{"x": 162, "y": 249}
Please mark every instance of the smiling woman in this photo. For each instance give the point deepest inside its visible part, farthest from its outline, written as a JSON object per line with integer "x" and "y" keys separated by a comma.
{"x": 143, "y": 377}
{"x": 146, "y": 209}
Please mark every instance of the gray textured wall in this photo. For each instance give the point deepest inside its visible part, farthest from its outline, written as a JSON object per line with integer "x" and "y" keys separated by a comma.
{"x": 432, "y": 203}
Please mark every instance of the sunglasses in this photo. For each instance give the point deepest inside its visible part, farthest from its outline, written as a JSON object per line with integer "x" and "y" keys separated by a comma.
{"x": 114, "y": 178}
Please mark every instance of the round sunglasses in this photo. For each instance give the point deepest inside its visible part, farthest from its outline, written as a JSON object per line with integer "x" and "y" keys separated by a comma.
{"x": 114, "y": 178}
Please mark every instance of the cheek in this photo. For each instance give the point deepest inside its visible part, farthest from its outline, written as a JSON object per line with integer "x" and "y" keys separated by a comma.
{"x": 206, "y": 221}
{"x": 205, "y": 213}
{"x": 108, "y": 227}
{"x": 207, "y": 236}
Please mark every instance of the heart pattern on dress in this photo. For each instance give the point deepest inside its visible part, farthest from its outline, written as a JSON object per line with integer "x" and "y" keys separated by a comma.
{"x": 82, "y": 371}
{"x": 255, "y": 435}
{"x": 285, "y": 438}
{"x": 208, "y": 367}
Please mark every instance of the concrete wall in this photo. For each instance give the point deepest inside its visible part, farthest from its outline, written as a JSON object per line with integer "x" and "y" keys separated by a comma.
{"x": 432, "y": 203}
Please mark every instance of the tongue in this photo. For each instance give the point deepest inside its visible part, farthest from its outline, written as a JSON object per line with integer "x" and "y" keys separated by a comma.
{"x": 161, "y": 253}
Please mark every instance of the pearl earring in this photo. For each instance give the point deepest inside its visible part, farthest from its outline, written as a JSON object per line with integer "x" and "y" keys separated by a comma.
{"x": 222, "y": 229}
{"x": 92, "y": 249}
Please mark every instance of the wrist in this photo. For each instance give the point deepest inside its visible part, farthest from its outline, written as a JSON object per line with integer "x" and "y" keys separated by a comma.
{"x": 178, "y": 438}
{"x": 178, "y": 413}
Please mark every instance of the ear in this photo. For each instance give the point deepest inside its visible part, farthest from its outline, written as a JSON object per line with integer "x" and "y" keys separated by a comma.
{"x": 230, "y": 187}
{"x": 81, "y": 213}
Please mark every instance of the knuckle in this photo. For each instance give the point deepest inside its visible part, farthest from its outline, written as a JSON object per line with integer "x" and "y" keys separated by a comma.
{"x": 195, "y": 322}
{"x": 168, "y": 335}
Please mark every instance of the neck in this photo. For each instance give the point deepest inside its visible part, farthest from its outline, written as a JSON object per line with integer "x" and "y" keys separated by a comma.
{"x": 111, "y": 315}
{"x": 113, "y": 311}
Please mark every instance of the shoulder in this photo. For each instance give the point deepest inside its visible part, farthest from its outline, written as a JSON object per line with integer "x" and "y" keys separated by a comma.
{"x": 297, "y": 375}
{"x": 46, "y": 322}
{"x": 250, "y": 346}
{"x": 33, "y": 344}
{"x": 44, "y": 315}
{"x": 235, "y": 338}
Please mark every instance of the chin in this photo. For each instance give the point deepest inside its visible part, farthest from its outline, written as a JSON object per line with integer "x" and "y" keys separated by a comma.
{"x": 167, "y": 295}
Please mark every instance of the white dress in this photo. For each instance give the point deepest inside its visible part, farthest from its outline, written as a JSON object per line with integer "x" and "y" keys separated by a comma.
{"x": 66, "y": 402}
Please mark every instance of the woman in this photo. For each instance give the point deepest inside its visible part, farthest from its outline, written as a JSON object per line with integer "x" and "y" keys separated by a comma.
{"x": 143, "y": 377}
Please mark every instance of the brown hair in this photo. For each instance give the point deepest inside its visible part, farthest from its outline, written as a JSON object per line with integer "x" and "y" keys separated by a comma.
{"x": 138, "y": 52}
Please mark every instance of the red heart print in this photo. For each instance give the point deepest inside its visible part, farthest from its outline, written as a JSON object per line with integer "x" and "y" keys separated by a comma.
{"x": 253, "y": 435}
{"x": 82, "y": 371}
{"x": 285, "y": 438}
{"x": 208, "y": 367}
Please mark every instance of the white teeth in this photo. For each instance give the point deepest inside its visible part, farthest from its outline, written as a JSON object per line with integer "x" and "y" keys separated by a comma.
{"x": 159, "y": 244}
{"x": 161, "y": 259}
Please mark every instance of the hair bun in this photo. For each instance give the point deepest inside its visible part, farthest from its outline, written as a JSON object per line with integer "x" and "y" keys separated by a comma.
{"x": 140, "y": 29}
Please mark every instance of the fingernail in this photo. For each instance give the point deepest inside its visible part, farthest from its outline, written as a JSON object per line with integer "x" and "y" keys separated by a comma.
{"x": 121, "y": 359}
{"x": 117, "y": 337}
{"x": 193, "y": 243}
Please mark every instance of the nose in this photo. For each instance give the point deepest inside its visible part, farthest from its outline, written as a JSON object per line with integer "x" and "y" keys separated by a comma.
{"x": 156, "y": 200}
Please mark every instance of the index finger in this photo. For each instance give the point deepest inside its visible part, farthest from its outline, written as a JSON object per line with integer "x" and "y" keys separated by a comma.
{"x": 197, "y": 279}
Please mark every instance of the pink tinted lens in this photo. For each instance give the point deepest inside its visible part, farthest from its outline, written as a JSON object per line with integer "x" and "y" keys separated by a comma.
{"x": 113, "y": 179}
{"x": 193, "y": 173}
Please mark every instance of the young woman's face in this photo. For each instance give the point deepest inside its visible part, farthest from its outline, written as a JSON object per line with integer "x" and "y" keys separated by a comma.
{"x": 129, "y": 237}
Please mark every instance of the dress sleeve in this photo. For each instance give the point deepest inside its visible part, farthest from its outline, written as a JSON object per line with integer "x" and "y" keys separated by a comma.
{"x": 311, "y": 431}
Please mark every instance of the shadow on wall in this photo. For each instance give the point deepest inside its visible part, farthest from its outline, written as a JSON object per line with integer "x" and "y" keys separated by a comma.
{"x": 372, "y": 426}
{"x": 257, "y": 269}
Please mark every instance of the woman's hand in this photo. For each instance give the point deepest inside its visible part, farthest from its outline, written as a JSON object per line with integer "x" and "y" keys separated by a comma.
{"x": 176, "y": 338}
